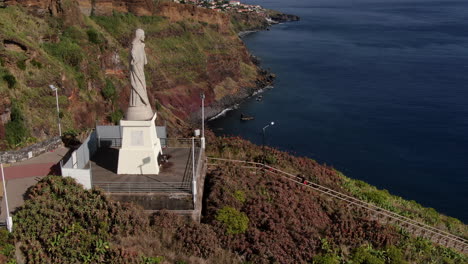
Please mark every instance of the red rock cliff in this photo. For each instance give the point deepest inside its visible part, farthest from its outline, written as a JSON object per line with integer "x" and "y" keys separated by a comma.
{"x": 177, "y": 12}
{"x": 87, "y": 7}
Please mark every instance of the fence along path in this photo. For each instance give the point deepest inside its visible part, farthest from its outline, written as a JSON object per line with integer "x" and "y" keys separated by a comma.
{"x": 416, "y": 228}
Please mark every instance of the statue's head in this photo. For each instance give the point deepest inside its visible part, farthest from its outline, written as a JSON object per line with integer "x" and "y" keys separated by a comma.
{"x": 140, "y": 34}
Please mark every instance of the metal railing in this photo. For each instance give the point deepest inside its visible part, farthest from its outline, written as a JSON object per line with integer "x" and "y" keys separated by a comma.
{"x": 187, "y": 185}
{"x": 165, "y": 142}
{"x": 143, "y": 187}
{"x": 180, "y": 142}
{"x": 110, "y": 142}
{"x": 414, "y": 227}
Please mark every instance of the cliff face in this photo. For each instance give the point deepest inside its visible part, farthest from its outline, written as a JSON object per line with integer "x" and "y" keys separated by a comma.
{"x": 190, "y": 50}
{"x": 177, "y": 12}
{"x": 67, "y": 10}
{"x": 107, "y": 7}
{"x": 87, "y": 7}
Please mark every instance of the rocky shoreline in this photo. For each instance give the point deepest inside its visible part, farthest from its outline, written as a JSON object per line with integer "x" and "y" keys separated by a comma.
{"x": 281, "y": 17}
{"x": 274, "y": 19}
{"x": 228, "y": 103}
{"x": 245, "y": 33}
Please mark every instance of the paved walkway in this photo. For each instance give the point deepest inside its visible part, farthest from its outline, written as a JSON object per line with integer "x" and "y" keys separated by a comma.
{"x": 53, "y": 156}
{"x": 42, "y": 165}
{"x": 16, "y": 190}
{"x": 22, "y": 175}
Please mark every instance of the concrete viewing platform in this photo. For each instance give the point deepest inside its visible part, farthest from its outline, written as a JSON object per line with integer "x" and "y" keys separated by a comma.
{"x": 171, "y": 189}
{"x": 104, "y": 167}
{"x": 177, "y": 187}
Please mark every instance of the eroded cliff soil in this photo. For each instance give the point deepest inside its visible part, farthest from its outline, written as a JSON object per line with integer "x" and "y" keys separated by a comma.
{"x": 190, "y": 50}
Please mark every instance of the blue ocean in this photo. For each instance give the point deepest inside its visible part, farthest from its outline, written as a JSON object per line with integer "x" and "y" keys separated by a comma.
{"x": 377, "y": 89}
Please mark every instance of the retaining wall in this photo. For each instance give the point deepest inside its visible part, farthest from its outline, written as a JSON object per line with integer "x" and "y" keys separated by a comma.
{"x": 157, "y": 201}
{"x": 31, "y": 151}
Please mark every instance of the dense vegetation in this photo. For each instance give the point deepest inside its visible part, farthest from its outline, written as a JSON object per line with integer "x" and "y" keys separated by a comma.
{"x": 291, "y": 224}
{"x": 249, "y": 217}
{"x": 247, "y": 22}
{"x": 237, "y": 148}
{"x": 63, "y": 223}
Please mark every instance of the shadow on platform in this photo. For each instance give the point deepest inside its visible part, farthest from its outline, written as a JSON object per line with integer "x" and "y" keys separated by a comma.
{"x": 104, "y": 167}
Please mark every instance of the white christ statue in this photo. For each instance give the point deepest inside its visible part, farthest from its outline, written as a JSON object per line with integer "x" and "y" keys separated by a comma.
{"x": 139, "y": 107}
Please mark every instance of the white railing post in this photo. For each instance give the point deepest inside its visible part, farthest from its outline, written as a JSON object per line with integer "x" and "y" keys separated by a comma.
{"x": 58, "y": 113}
{"x": 9, "y": 220}
{"x": 98, "y": 138}
{"x": 203, "y": 122}
{"x": 203, "y": 115}
{"x": 194, "y": 180}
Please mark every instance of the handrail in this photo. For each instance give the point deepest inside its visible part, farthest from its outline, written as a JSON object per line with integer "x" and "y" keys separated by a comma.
{"x": 142, "y": 187}
{"x": 165, "y": 142}
{"x": 355, "y": 201}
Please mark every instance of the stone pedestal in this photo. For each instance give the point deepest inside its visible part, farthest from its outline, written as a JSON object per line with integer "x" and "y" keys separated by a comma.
{"x": 140, "y": 113}
{"x": 140, "y": 148}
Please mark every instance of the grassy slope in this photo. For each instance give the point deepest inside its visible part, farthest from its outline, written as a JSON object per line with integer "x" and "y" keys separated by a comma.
{"x": 185, "y": 58}
{"x": 247, "y": 21}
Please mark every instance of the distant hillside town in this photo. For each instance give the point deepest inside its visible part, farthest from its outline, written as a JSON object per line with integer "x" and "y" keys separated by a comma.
{"x": 224, "y": 6}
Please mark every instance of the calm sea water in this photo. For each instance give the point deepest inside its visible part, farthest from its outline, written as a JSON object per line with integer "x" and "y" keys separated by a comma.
{"x": 377, "y": 89}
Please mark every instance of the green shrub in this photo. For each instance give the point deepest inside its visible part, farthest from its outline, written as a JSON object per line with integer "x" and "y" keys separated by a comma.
{"x": 70, "y": 133}
{"x": 94, "y": 36}
{"x": 116, "y": 116}
{"x": 270, "y": 159}
{"x": 431, "y": 215}
{"x": 63, "y": 223}
{"x": 10, "y": 80}
{"x": 80, "y": 80}
{"x": 21, "y": 64}
{"x": 326, "y": 259}
{"x": 240, "y": 196}
{"x": 36, "y": 64}
{"x": 6, "y": 244}
{"x": 326, "y": 246}
{"x": 67, "y": 51}
{"x": 395, "y": 255}
{"x": 377, "y": 197}
{"x": 109, "y": 92}
{"x": 235, "y": 222}
{"x": 152, "y": 260}
{"x": 15, "y": 130}
{"x": 73, "y": 33}
{"x": 157, "y": 105}
{"x": 363, "y": 255}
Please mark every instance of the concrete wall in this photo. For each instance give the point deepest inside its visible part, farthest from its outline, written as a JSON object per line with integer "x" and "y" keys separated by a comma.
{"x": 31, "y": 151}
{"x": 157, "y": 201}
{"x": 111, "y": 136}
{"x": 77, "y": 165}
{"x": 201, "y": 174}
{"x": 80, "y": 157}
{"x": 82, "y": 176}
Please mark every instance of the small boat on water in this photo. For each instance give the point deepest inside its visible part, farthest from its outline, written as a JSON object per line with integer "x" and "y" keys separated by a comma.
{"x": 246, "y": 118}
{"x": 259, "y": 98}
